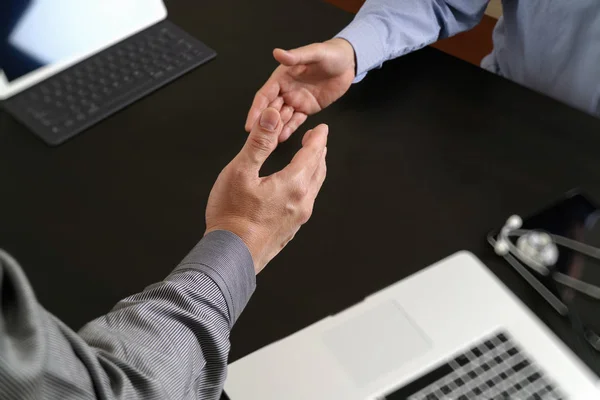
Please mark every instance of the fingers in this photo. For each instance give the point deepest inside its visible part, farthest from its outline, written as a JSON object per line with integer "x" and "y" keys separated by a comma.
{"x": 319, "y": 176}
{"x": 268, "y": 93}
{"x": 310, "y": 54}
{"x": 307, "y": 159}
{"x": 262, "y": 140}
{"x": 290, "y": 127}
{"x": 287, "y": 112}
{"x": 306, "y": 137}
{"x": 277, "y": 104}
{"x": 302, "y": 100}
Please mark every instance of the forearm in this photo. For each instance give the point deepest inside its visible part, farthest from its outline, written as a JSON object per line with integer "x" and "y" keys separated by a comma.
{"x": 169, "y": 341}
{"x": 386, "y": 29}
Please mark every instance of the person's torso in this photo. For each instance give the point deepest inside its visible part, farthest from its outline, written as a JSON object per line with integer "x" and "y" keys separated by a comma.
{"x": 552, "y": 46}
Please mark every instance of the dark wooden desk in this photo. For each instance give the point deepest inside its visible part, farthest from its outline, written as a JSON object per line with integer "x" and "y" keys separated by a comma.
{"x": 425, "y": 157}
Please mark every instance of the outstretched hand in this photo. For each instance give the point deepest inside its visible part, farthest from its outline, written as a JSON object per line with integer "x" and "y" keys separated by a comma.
{"x": 309, "y": 79}
{"x": 266, "y": 212}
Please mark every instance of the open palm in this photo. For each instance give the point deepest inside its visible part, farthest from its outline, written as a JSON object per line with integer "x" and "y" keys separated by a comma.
{"x": 309, "y": 79}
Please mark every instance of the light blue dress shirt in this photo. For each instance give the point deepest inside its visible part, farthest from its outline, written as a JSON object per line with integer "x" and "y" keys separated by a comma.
{"x": 552, "y": 46}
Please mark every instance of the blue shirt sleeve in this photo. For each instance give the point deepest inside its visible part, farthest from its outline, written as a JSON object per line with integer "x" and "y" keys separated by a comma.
{"x": 386, "y": 29}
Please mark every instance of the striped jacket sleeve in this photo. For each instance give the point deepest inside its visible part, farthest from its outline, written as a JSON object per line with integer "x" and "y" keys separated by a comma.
{"x": 171, "y": 341}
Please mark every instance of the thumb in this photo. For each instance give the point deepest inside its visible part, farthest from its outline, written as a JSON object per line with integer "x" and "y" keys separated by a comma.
{"x": 263, "y": 139}
{"x": 310, "y": 54}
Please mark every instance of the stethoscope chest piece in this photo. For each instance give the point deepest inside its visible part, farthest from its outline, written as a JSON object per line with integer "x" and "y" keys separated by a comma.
{"x": 538, "y": 246}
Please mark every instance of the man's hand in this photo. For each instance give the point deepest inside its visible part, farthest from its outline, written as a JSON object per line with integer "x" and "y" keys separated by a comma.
{"x": 266, "y": 212}
{"x": 309, "y": 79}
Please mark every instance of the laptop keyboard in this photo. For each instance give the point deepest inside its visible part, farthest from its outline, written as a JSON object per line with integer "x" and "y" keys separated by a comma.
{"x": 496, "y": 368}
{"x": 77, "y": 98}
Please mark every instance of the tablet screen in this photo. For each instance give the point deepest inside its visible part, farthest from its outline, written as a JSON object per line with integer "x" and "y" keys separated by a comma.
{"x": 37, "y": 33}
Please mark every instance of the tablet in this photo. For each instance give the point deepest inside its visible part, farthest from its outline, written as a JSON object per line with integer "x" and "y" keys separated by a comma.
{"x": 39, "y": 38}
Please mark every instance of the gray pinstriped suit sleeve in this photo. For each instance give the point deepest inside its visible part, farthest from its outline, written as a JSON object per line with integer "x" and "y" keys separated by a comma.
{"x": 170, "y": 341}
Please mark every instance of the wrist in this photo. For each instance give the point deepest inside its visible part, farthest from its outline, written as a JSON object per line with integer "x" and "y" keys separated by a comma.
{"x": 347, "y": 51}
{"x": 248, "y": 233}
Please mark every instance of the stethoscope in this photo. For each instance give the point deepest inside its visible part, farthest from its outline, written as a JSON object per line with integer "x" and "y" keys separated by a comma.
{"x": 538, "y": 250}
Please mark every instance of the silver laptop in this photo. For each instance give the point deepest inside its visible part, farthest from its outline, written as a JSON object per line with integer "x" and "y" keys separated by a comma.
{"x": 452, "y": 331}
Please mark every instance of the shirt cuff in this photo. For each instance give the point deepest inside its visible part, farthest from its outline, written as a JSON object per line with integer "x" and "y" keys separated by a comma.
{"x": 368, "y": 47}
{"x": 223, "y": 257}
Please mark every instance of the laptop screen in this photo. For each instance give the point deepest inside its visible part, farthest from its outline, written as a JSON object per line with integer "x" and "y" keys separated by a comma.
{"x": 37, "y": 33}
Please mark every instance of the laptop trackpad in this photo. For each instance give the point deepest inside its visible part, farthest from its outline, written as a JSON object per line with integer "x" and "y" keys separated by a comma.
{"x": 376, "y": 342}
